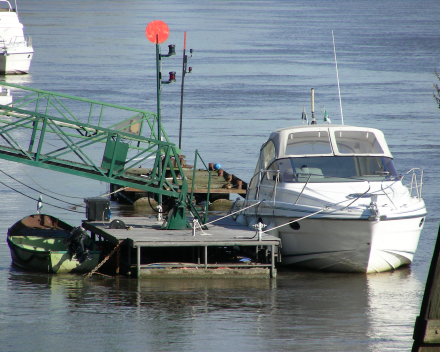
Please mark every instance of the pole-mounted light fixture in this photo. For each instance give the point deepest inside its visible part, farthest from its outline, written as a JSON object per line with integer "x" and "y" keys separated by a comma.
{"x": 171, "y": 51}
{"x": 171, "y": 79}
{"x": 157, "y": 32}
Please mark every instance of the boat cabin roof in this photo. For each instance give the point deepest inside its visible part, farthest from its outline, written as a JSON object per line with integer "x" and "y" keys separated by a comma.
{"x": 328, "y": 140}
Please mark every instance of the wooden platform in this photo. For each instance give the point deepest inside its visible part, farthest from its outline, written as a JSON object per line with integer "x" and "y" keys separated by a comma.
{"x": 222, "y": 184}
{"x": 208, "y": 253}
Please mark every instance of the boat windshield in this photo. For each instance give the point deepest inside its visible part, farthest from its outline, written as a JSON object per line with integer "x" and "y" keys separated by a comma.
{"x": 334, "y": 169}
{"x": 309, "y": 142}
{"x": 357, "y": 142}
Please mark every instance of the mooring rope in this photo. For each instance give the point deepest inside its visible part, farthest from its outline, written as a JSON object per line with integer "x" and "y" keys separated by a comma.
{"x": 86, "y": 276}
{"x": 290, "y": 222}
{"x": 238, "y": 211}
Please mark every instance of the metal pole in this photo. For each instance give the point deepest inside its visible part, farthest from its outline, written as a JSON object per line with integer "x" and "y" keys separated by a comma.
{"x": 138, "y": 262}
{"x": 185, "y": 59}
{"x": 272, "y": 262}
{"x": 159, "y": 124}
{"x": 313, "y": 108}
{"x": 159, "y": 84}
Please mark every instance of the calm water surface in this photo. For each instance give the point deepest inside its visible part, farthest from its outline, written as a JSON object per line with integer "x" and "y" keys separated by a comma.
{"x": 253, "y": 67}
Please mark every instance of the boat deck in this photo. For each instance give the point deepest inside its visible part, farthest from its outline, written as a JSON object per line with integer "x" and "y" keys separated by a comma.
{"x": 203, "y": 251}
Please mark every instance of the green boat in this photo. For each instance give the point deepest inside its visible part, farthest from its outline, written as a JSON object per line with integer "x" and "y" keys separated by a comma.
{"x": 44, "y": 243}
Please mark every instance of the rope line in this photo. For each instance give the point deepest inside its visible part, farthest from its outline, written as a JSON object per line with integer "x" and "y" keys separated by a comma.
{"x": 304, "y": 217}
{"x": 238, "y": 211}
{"x": 86, "y": 276}
{"x": 34, "y": 189}
{"x": 52, "y": 205}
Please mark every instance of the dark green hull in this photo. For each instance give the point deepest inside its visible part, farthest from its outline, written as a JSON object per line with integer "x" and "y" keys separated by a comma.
{"x": 37, "y": 243}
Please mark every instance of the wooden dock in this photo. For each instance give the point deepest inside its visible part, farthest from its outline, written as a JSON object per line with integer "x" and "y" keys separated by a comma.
{"x": 224, "y": 249}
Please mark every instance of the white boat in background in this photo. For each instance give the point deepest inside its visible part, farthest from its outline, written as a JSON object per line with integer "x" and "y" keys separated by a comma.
{"x": 333, "y": 196}
{"x": 5, "y": 96}
{"x": 16, "y": 50}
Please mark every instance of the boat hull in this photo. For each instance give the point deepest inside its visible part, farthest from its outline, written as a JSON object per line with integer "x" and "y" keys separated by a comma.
{"x": 38, "y": 243}
{"x": 48, "y": 261}
{"x": 349, "y": 245}
{"x": 15, "y": 63}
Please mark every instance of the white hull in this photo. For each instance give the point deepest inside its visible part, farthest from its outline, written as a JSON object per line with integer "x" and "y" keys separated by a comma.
{"x": 349, "y": 245}
{"x": 339, "y": 239}
{"x": 15, "y": 63}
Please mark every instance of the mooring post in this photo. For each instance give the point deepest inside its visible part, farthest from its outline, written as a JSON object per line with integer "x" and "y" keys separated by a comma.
{"x": 272, "y": 262}
{"x": 427, "y": 326}
{"x": 138, "y": 262}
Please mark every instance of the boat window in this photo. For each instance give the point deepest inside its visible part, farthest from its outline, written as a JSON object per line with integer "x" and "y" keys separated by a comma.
{"x": 271, "y": 174}
{"x": 357, "y": 142}
{"x": 255, "y": 179}
{"x": 336, "y": 169}
{"x": 309, "y": 142}
{"x": 267, "y": 154}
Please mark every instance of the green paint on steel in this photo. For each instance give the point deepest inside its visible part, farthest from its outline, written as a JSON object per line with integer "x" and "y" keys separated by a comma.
{"x": 70, "y": 137}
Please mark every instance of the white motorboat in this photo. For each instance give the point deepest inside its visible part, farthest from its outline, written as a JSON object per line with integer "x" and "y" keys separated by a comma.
{"x": 16, "y": 50}
{"x": 333, "y": 196}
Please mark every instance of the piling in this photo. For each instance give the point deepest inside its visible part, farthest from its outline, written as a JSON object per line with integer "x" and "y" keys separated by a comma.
{"x": 427, "y": 326}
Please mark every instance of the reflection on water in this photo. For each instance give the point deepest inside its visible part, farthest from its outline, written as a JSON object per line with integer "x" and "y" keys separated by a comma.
{"x": 296, "y": 310}
{"x": 20, "y": 80}
{"x": 393, "y": 300}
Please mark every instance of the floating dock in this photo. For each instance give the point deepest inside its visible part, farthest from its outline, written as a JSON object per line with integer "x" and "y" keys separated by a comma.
{"x": 224, "y": 249}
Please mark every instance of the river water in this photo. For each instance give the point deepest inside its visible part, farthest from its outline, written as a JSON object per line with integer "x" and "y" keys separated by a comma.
{"x": 254, "y": 64}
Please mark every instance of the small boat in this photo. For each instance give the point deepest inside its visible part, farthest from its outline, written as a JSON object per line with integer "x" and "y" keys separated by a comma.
{"x": 16, "y": 50}
{"x": 333, "y": 196}
{"x": 44, "y": 243}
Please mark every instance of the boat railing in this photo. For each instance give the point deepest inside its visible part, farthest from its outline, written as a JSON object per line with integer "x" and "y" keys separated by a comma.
{"x": 277, "y": 176}
{"x": 16, "y": 41}
{"x": 415, "y": 184}
{"x": 191, "y": 196}
{"x": 10, "y": 8}
{"x": 20, "y": 40}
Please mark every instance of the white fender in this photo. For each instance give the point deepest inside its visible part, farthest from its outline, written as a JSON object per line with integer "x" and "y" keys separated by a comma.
{"x": 252, "y": 223}
{"x": 273, "y": 232}
{"x": 241, "y": 219}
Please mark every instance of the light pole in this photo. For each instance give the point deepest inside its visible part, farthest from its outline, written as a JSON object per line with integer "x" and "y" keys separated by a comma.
{"x": 157, "y": 32}
{"x": 172, "y": 78}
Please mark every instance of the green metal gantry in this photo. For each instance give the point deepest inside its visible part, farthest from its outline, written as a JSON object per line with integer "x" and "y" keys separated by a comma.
{"x": 79, "y": 137}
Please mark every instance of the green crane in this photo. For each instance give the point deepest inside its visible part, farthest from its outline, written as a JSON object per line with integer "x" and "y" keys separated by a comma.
{"x": 78, "y": 137}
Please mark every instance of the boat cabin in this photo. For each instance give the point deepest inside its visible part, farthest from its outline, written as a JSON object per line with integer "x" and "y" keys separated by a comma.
{"x": 11, "y": 30}
{"x": 325, "y": 153}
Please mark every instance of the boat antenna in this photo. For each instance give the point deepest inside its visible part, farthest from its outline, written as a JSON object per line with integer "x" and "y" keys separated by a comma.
{"x": 184, "y": 72}
{"x": 337, "y": 77}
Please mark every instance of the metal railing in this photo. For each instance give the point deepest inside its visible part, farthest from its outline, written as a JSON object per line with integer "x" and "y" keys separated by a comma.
{"x": 198, "y": 156}
{"x": 54, "y": 132}
{"x": 416, "y": 183}
{"x": 16, "y": 41}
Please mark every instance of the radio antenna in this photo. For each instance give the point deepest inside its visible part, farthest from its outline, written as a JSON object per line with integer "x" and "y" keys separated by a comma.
{"x": 337, "y": 77}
